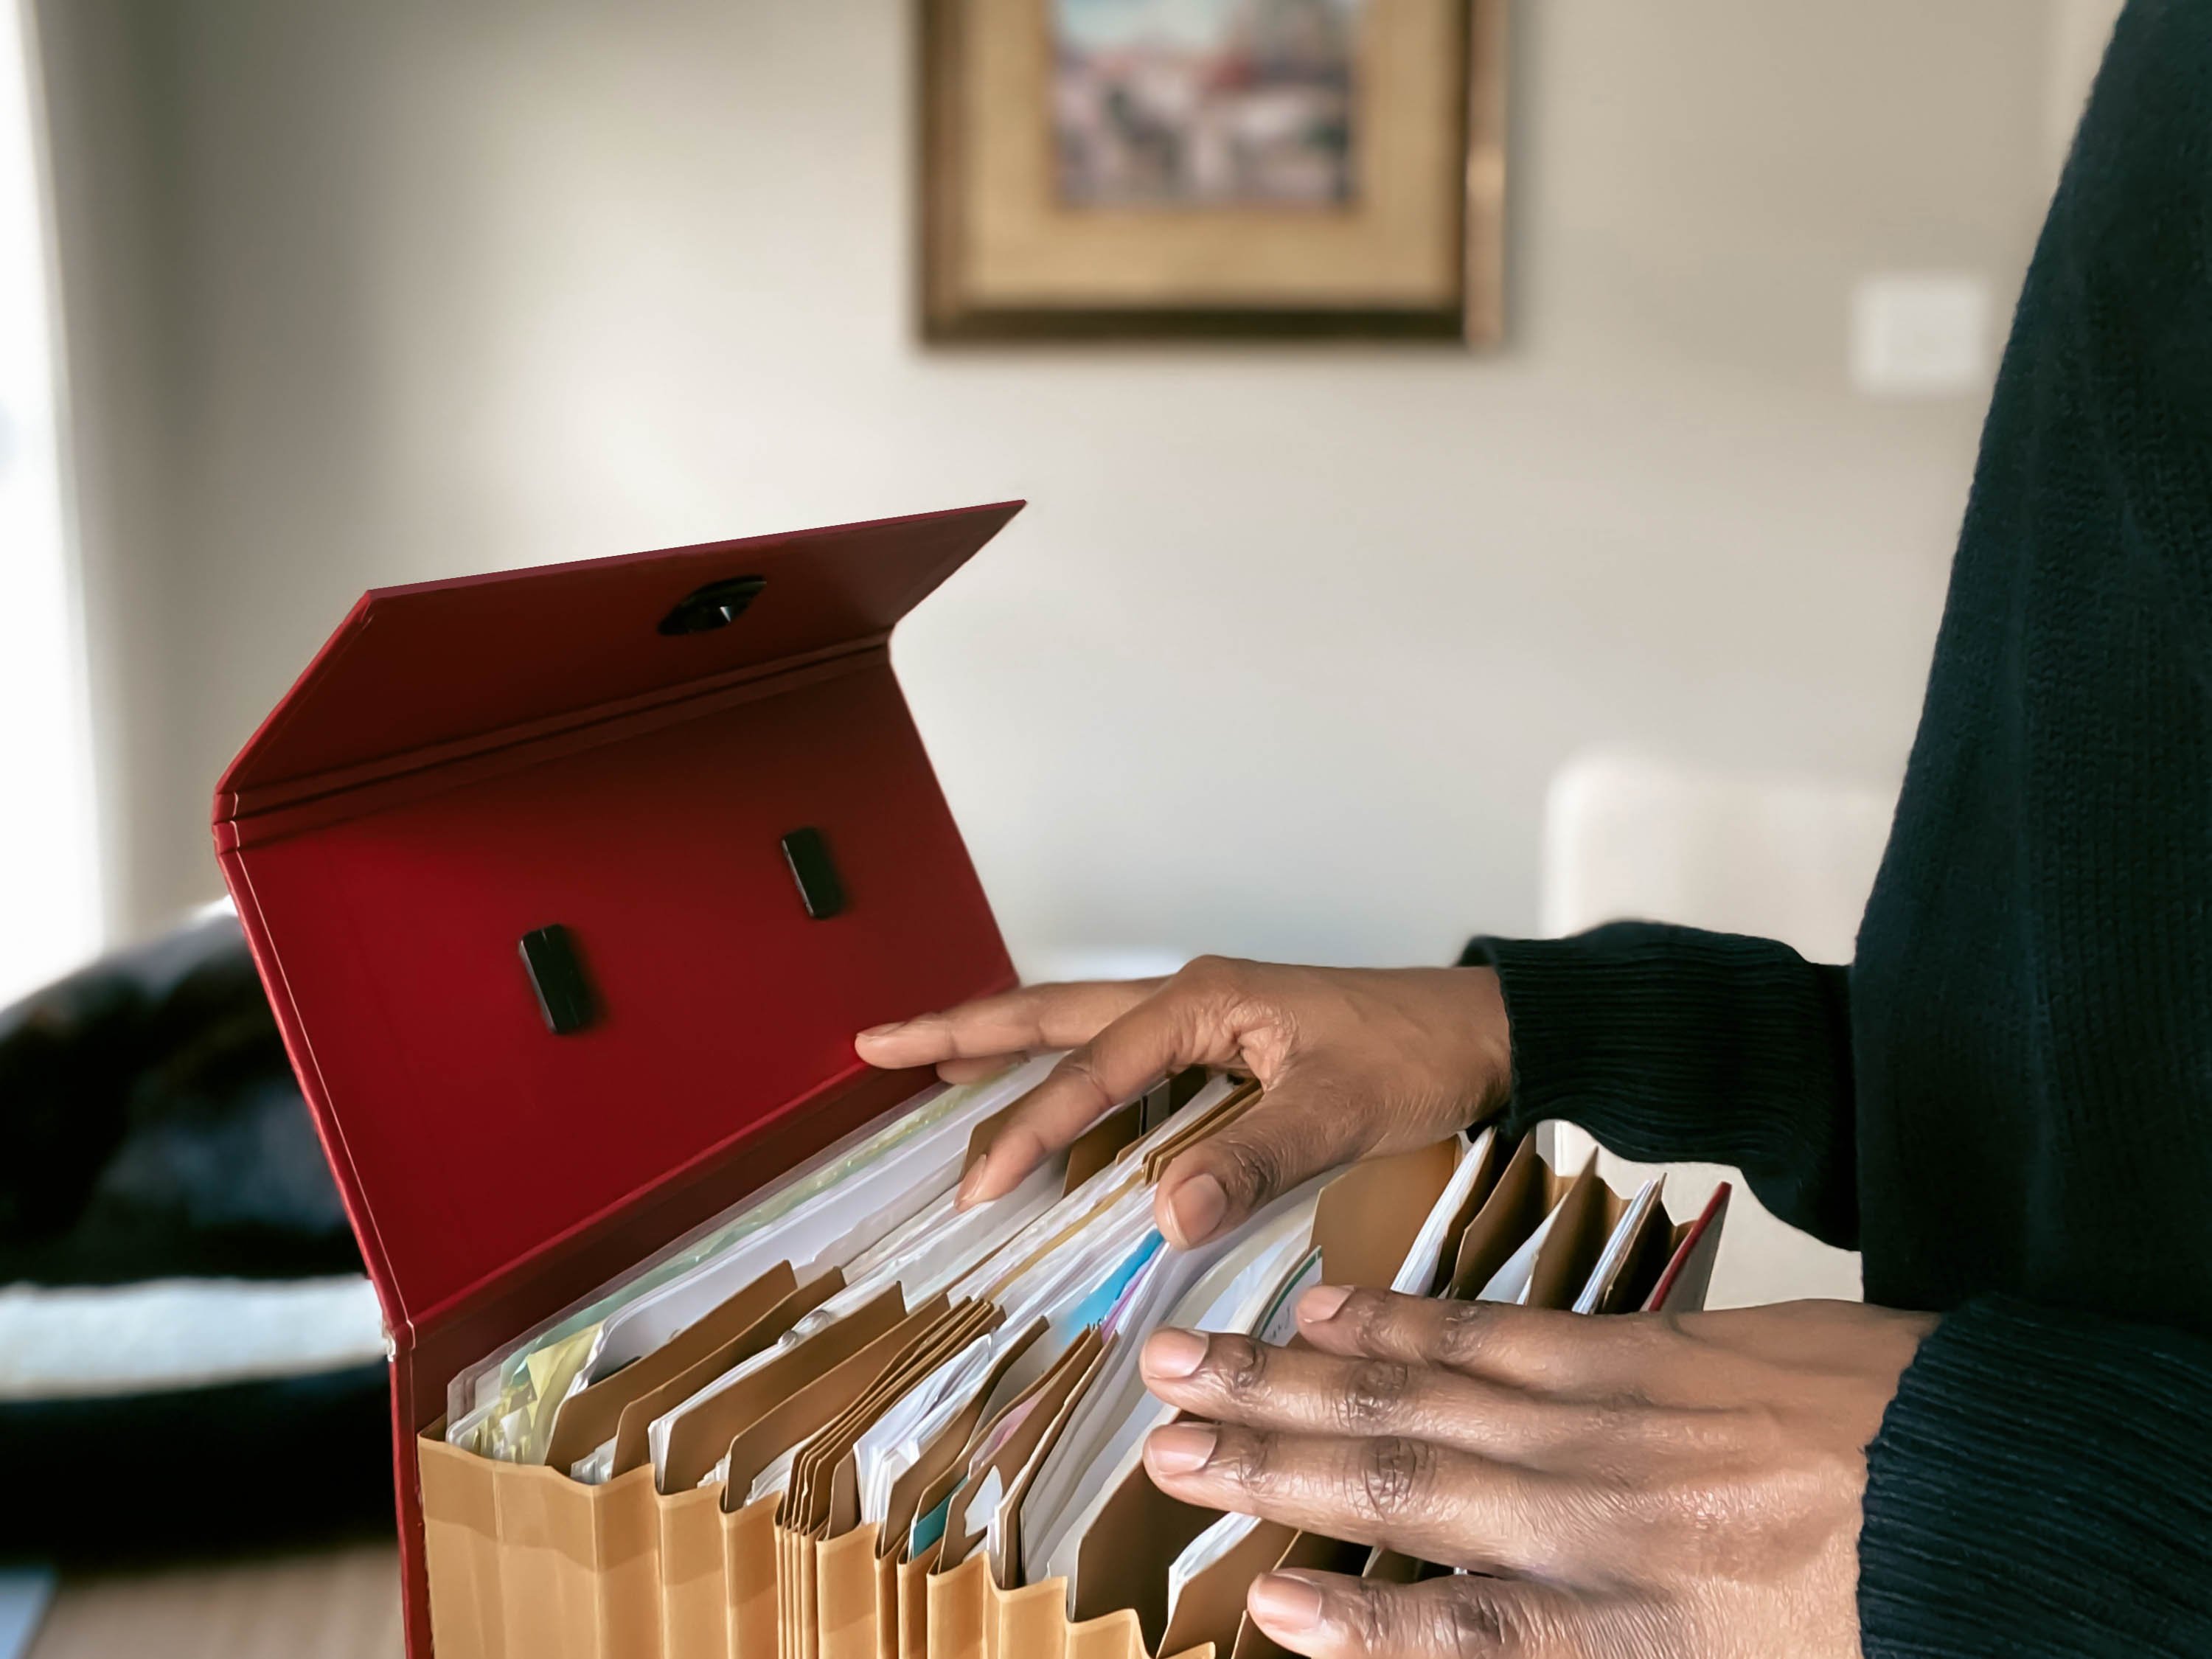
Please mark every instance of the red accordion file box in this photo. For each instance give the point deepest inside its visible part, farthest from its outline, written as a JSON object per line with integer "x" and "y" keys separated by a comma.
{"x": 569, "y": 887}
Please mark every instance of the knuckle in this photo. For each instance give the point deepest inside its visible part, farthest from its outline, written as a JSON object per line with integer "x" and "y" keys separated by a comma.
{"x": 1466, "y": 1332}
{"x": 1368, "y": 1317}
{"x": 1209, "y": 974}
{"x": 1396, "y": 1475}
{"x": 1079, "y": 1068}
{"x": 1374, "y": 1395}
{"x": 1247, "y": 1166}
{"x": 1238, "y": 1364}
{"x": 1251, "y": 1461}
{"x": 1476, "y": 1623}
{"x": 1377, "y": 1620}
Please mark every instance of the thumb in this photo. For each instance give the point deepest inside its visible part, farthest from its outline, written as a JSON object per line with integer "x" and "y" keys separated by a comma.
{"x": 1294, "y": 1133}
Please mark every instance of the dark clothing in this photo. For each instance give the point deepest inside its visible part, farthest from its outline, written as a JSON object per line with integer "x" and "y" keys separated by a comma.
{"x": 2006, "y": 1102}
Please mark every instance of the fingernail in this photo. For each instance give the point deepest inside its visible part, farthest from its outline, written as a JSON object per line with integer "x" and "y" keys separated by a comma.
{"x": 971, "y": 1185}
{"x": 1173, "y": 1353}
{"x": 1320, "y": 1304}
{"x": 875, "y": 1032}
{"x": 1284, "y": 1602}
{"x": 1181, "y": 1446}
{"x": 1196, "y": 1209}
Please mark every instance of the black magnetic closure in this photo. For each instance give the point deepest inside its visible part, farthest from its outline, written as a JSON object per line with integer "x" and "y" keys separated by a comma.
{"x": 819, "y": 888}
{"x": 556, "y": 974}
{"x": 715, "y": 606}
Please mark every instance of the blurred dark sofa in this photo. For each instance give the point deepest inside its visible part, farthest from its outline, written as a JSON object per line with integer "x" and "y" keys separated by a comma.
{"x": 150, "y": 1129}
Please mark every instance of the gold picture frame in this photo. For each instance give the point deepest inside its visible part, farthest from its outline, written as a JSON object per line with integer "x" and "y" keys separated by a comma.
{"x": 1412, "y": 246}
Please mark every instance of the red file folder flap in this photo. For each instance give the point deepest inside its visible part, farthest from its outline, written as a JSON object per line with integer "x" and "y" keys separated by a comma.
{"x": 572, "y": 748}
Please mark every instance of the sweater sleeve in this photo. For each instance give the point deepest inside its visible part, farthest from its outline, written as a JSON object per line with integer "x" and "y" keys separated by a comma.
{"x": 1670, "y": 1043}
{"x": 2041, "y": 1486}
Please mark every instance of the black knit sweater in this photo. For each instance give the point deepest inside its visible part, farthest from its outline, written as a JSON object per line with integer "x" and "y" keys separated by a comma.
{"x": 2006, "y": 1101}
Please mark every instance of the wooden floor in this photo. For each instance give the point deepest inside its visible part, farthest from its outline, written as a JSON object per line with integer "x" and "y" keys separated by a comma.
{"x": 331, "y": 1604}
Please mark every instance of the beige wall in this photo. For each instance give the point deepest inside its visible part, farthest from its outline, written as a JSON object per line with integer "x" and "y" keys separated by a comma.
{"x": 1281, "y": 657}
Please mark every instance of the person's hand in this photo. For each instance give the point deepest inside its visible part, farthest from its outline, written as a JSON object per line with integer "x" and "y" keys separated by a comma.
{"x": 1352, "y": 1061}
{"x": 1641, "y": 1486}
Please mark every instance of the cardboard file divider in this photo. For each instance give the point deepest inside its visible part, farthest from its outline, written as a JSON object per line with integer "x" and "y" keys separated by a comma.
{"x": 633, "y": 1447}
{"x": 1587, "y": 1208}
{"x": 592, "y": 1415}
{"x": 749, "y": 1580}
{"x": 913, "y": 1607}
{"x": 694, "y": 1583}
{"x": 461, "y": 1533}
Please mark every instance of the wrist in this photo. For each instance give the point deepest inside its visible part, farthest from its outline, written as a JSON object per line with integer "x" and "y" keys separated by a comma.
{"x": 1492, "y": 1037}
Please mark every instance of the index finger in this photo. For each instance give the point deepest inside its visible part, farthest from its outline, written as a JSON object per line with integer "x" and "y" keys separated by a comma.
{"x": 1035, "y": 1017}
{"x": 1159, "y": 1033}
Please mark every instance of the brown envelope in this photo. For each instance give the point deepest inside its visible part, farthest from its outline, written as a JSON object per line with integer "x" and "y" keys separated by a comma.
{"x": 631, "y": 1448}
{"x": 1369, "y": 1216}
{"x": 814, "y": 1492}
{"x": 1308, "y": 1552}
{"x": 1585, "y": 1213}
{"x": 1056, "y": 1395}
{"x": 1222, "y": 1113}
{"x": 1212, "y": 1608}
{"x": 588, "y": 1418}
{"x": 956, "y": 1473}
{"x": 831, "y": 1486}
{"x": 698, "y": 1441}
{"x": 1122, "y": 1560}
{"x": 1638, "y": 1267}
{"x": 1050, "y": 1394}
{"x": 1017, "y": 1489}
{"x": 945, "y": 1456}
{"x": 1490, "y": 1153}
{"x": 792, "y": 1404}
{"x": 1097, "y": 1147}
{"x": 935, "y": 1494}
{"x": 1518, "y": 1202}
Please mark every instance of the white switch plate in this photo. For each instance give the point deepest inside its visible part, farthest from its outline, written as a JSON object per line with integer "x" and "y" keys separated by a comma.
{"x": 1922, "y": 334}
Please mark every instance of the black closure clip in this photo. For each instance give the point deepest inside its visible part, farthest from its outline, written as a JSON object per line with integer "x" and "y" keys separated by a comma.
{"x": 556, "y": 974}
{"x": 819, "y": 888}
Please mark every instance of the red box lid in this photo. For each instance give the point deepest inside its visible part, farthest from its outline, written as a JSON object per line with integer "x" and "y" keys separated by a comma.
{"x": 466, "y": 761}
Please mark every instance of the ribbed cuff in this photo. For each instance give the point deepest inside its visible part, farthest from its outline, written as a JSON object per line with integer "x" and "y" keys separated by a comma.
{"x": 1671, "y": 1043}
{"x": 2042, "y": 1485}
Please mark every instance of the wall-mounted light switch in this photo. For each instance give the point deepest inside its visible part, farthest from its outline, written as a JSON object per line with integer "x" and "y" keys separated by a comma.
{"x": 1920, "y": 335}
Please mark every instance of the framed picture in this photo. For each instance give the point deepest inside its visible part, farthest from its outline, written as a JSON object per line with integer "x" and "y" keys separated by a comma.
{"x": 1193, "y": 168}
